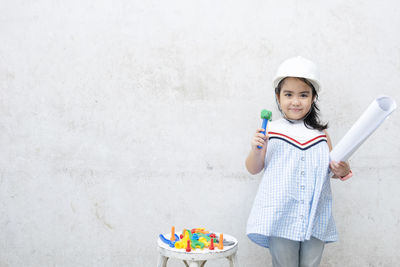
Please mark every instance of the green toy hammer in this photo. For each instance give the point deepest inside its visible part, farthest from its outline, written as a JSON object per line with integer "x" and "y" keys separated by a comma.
{"x": 266, "y": 116}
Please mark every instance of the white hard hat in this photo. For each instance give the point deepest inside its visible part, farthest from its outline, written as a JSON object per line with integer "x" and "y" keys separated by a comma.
{"x": 298, "y": 67}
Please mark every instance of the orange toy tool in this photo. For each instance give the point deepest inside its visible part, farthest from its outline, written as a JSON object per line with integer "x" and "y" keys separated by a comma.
{"x": 200, "y": 230}
{"x": 173, "y": 233}
{"x": 221, "y": 242}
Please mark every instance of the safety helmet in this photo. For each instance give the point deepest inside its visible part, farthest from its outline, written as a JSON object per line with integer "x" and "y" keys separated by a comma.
{"x": 298, "y": 67}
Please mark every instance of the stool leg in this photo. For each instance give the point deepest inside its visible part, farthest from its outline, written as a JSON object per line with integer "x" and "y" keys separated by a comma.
{"x": 232, "y": 260}
{"x": 162, "y": 261}
{"x": 196, "y": 263}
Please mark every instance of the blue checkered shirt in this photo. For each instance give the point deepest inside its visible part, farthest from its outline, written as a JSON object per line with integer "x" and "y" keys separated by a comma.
{"x": 294, "y": 199}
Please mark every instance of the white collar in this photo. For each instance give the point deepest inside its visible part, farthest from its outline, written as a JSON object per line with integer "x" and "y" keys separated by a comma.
{"x": 295, "y": 129}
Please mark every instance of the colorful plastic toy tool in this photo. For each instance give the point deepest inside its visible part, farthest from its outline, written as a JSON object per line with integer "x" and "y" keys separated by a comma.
{"x": 173, "y": 233}
{"x": 211, "y": 247}
{"x": 266, "y": 116}
{"x": 184, "y": 238}
{"x": 188, "y": 246}
{"x": 221, "y": 242}
{"x": 193, "y": 237}
{"x": 169, "y": 242}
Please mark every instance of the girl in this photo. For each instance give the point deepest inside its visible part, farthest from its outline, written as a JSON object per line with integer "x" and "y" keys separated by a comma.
{"x": 292, "y": 211}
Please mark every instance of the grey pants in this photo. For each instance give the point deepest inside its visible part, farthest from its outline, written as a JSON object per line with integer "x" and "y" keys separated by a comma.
{"x": 289, "y": 253}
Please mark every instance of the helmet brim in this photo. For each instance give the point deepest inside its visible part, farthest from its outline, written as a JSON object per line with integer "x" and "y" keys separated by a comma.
{"x": 314, "y": 82}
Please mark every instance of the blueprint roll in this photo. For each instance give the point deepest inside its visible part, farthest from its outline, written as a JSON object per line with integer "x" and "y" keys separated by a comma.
{"x": 369, "y": 121}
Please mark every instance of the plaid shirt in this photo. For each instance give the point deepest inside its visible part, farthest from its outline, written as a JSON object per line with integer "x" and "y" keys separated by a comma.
{"x": 294, "y": 199}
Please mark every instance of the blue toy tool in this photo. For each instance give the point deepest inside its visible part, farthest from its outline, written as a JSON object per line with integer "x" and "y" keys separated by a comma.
{"x": 266, "y": 116}
{"x": 169, "y": 242}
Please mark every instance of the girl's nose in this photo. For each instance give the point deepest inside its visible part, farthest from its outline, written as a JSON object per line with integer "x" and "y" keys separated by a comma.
{"x": 296, "y": 101}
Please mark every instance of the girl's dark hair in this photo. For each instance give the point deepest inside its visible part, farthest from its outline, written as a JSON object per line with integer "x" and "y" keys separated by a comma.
{"x": 311, "y": 120}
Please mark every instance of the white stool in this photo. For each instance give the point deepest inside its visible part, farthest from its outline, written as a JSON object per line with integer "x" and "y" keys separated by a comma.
{"x": 197, "y": 257}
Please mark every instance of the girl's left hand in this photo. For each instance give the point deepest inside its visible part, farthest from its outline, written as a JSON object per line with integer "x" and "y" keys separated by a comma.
{"x": 340, "y": 169}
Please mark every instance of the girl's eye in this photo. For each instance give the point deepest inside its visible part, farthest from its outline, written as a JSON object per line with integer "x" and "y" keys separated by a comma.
{"x": 287, "y": 94}
{"x": 304, "y": 95}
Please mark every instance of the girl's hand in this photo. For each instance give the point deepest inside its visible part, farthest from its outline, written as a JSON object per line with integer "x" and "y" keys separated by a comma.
{"x": 340, "y": 169}
{"x": 259, "y": 139}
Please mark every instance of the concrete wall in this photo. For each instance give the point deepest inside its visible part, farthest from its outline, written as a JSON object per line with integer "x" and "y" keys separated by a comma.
{"x": 119, "y": 119}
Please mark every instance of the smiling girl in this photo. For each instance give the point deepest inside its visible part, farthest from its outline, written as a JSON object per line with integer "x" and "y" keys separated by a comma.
{"x": 292, "y": 210}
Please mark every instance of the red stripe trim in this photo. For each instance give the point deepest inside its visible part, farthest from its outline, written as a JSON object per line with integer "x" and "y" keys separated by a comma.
{"x": 320, "y": 136}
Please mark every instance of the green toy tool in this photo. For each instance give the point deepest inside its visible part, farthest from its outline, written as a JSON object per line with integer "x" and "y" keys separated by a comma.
{"x": 266, "y": 116}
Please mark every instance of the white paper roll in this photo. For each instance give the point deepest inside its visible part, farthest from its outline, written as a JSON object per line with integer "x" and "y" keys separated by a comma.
{"x": 369, "y": 121}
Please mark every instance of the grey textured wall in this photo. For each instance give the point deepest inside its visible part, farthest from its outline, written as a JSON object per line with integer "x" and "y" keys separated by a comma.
{"x": 119, "y": 119}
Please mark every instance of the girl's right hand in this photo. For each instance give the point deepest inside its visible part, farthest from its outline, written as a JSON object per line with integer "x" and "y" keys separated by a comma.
{"x": 259, "y": 139}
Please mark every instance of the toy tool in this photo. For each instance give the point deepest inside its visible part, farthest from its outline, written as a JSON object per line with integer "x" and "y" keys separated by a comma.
{"x": 170, "y": 243}
{"x": 266, "y": 116}
{"x": 211, "y": 247}
{"x": 184, "y": 238}
{"x": 173, "y": 233}
{"x": 221, "y": 242}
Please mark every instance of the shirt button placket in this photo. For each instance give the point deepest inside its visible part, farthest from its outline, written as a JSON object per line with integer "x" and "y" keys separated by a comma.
{"x": 302, "y": 179}
{"x": 302, "y": 192}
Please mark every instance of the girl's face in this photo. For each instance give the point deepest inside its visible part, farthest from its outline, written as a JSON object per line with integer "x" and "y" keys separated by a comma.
{"x": 295, "y": 98}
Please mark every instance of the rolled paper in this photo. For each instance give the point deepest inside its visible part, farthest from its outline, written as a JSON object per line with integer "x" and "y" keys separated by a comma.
{"x": 369, "y": 121}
